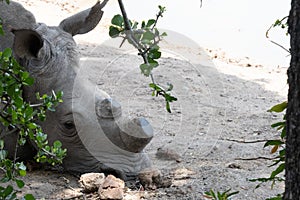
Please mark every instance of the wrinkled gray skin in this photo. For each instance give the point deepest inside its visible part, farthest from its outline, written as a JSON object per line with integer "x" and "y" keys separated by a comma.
{"x": 50, "y": 55}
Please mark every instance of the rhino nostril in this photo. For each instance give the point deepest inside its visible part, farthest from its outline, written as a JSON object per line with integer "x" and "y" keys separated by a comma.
{"x": 108, "y": 109}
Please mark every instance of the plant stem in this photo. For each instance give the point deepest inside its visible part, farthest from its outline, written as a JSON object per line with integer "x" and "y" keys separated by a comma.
{"x": 126, "y": 21}
{"x": 129, "y": 34}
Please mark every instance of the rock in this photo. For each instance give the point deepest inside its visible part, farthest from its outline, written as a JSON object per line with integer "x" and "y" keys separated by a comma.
{"x": 149, "y": 178}
{"x": 112, "y": 188}
{"x": 152, "y": 179}
{"x": 168, "y": 154}
{"x": 91, "y": 181}
{"x": 182, "y": 173}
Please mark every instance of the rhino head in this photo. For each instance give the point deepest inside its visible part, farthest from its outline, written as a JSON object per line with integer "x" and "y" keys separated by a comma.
{"x": 88, "y": 122}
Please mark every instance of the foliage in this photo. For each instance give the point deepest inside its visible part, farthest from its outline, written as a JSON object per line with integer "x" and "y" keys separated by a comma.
{"x": 146, "y": 40}
{"x": 19, "y": 117}
{"x": 282, "y": 23}
{"x": 278, "y": 146}
{"x": 220, "y": 195}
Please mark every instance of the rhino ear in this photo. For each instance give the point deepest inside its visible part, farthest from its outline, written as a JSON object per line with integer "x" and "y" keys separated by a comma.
{"x": 27, "y": 43}
{"x": 83, "y": 21}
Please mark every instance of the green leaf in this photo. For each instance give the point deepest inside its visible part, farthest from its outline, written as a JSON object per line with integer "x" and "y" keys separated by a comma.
{"x": 148, "y": 36}
{"x": 3, "y": 154}
{"x": 283, "y": 132}
{"x": 164, "y": 34}
{"x": 278, "y": 124}
{"x": 22, "y": 141}
{"x": 18, "y": 101}
{"x": 20, "y": 183}
{"x": 278, "y": 197}
{"x": 29, "y": 197}
{"x": 28, "y": 81}
{"x": 28, "y": 113}
{"x": 8, "y": 191}
{"x": 277, "y": 171}
{"x": 143, "y": 24}
{"x": 1, "y": 144}
{"x": 57, "y": 144}
{"x": 154, "y": 54}
{"x": 170, "y": 87}
{"x": 147, "y": 68}
{"x": 279, "y": 107}
{"x": 7, "y": 53}
{"x": 117, "y": 20}
{"x": 232, "y": 193}
{"x": 168, "y": 107}
{"x": 150, "y": 22}
{"x": 134, "y": 25}
{"x": 21, "y": 166}
{"x": 32, "y": 126}
{"x": 1, "y": 30}
{"x": 273, "y": 142}
{"x": 114, "y": 32}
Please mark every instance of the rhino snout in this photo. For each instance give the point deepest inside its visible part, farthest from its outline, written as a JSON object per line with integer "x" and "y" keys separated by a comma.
{"x": 129, "y": 134}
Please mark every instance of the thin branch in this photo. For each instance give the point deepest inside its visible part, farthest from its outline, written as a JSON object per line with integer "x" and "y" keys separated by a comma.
{"x": 257, "y": 158}
{"x": 156, "y": 20}
{"x": 36, "y": 105}
{"x": 246, "y": 142}
{"x": 3, "y": 134}
{"x": 130, "y": 36}
{"x": 15, "y": 154}
{"x": 273, "y": 25}
{"x": 280, "y": 46}
{"x": 126, "y": 21}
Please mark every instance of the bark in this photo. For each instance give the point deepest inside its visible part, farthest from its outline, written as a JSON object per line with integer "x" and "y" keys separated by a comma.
{"x": 292, "y": 167}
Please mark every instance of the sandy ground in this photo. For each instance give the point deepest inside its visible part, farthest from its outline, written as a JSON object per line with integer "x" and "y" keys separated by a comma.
{"x": 220, "y": 99}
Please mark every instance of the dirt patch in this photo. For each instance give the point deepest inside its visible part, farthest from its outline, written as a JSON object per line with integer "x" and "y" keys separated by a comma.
{"x": 218, "y": 102}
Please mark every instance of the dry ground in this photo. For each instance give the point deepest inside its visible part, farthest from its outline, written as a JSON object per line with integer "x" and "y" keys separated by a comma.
{"x": 220, "y": 99}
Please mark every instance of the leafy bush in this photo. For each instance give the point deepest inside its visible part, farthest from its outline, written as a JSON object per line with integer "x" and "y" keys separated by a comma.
{"x": 278, "y": 146}
{"x": 146, "y": 40}
{"x": 20, "y": 117}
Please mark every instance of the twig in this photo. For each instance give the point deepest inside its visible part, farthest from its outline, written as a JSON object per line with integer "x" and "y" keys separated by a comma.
{"x": 130, "y": 36}
{"x": 15, "y": 155}
{"x": 126, "y": 21}
{"x": 3, "y": 134}
{"x": 280, "y": 46}
{"x": 246, "y": 142}
{"x": 273, "y": 25}
{"x": 257, "y": 158}
{"x": 156, "y": 20}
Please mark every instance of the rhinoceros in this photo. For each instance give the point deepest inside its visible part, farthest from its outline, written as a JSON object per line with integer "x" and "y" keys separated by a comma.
{"x": 89, "y": 123}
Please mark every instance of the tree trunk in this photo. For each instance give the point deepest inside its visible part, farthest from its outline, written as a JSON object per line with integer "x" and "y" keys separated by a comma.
{"x": 292, "y": 162}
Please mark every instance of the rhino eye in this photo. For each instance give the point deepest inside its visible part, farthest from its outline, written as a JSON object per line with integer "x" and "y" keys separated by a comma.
{"x": 69, "y": 125}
